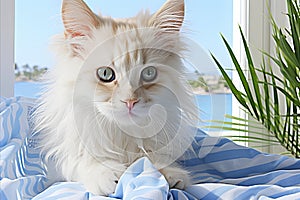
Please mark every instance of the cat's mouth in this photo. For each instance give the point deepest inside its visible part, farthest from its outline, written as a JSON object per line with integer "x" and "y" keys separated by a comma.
{"x": 134, "y": 112}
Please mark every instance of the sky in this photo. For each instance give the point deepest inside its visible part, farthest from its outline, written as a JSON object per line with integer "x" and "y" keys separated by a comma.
{"x": 38, "y": 21}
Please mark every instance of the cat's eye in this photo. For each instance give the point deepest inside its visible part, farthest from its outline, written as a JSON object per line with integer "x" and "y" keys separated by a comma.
{"x": 149, "y": 74}
{"x": 106, "y": 74}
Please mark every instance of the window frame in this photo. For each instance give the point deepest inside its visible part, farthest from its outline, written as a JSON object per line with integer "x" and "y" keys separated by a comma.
{"x": 253, "y": 17}
{"x": 7, "y": 35}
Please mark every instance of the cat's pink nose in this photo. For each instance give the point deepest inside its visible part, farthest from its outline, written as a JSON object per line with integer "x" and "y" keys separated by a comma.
{"x": 130, "y": 103}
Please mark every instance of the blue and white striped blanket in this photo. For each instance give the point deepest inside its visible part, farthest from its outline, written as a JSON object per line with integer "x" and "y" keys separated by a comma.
{"x": 221, "y": 168}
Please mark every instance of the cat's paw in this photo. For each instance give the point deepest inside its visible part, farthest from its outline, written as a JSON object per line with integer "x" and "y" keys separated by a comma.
{"x": 102, "y": 184}
{"x": 102, "y": 180}
{"x": 176, "y": 177}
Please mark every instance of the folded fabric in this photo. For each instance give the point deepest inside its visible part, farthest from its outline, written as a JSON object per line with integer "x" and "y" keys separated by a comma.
{"x": 220, "y": 168}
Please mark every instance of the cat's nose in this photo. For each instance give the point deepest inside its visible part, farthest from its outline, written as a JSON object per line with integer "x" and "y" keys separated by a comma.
{"x": 130, "y": 103}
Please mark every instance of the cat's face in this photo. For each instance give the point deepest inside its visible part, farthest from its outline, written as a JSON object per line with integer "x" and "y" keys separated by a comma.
{"x": 126, "y": 89}
{"x": 131, "y": 69}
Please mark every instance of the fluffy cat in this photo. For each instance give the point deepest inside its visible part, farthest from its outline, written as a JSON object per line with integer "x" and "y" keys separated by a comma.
{"x": 117, "y": 93}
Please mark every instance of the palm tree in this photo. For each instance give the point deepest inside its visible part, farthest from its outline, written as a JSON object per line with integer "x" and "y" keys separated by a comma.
{"x": 17, "y": 70}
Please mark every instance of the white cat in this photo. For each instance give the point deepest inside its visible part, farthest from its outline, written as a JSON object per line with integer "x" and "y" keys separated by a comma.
{"x": 117, "y": 93}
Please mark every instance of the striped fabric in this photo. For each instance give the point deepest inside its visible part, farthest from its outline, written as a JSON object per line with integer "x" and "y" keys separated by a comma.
{"x": 221, "y": 169}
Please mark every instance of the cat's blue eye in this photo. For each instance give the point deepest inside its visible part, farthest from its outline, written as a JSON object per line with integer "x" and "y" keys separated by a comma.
{"x": 106, "y": 74}
{"x": 149, "y": 74}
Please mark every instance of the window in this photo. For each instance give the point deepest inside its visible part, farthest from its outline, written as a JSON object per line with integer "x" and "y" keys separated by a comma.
{"x": 251, "y": 15}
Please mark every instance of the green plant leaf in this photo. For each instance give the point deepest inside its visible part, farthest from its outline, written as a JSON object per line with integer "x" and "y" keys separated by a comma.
{"x": 238, "y": 95}
{"x": 254, "y": 79}
{"x": 242, "y": 78}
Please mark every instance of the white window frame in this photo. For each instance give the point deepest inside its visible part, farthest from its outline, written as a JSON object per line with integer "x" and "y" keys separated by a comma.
{"x": 253, "y": 17}
{"x": 7, "y": 35}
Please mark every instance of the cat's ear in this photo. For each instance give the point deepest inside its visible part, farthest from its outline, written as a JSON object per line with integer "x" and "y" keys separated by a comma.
{"x": 169, "y": 18}
{"x": 78, "y": 19}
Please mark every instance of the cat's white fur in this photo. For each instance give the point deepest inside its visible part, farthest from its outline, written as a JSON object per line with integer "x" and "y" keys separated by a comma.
{"x": 84, "y": 125}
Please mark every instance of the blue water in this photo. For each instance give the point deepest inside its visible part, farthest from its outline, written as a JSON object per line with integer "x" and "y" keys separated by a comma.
{"x": 212, "y": 107}
{"x": 27, "y": 89}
